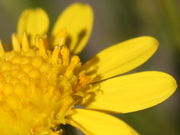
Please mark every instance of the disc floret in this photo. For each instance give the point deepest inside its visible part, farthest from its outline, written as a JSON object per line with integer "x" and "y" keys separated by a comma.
{"x": 39, "y": 86}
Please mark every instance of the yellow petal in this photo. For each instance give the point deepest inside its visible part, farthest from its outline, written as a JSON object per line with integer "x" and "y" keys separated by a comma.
{"x": 121, "y": 57}
{"x": 33, "y": 22}
{"x": 133, "y": 92}
{"x": 77, "y": 20}
{"x": 98, "y": 123}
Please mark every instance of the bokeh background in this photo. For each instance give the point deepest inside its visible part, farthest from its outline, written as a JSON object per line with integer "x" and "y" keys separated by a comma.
{"x": 115, "y": 21}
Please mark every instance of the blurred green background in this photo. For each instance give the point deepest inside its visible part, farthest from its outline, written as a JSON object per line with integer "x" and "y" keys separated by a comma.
{"x": 115, "y": 21}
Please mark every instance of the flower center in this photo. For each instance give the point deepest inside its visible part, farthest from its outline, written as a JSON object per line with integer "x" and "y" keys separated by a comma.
{"x": 38, "y": 87}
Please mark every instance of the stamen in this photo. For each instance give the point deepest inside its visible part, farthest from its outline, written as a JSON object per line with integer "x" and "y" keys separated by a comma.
{"x": 15, "y": 43}
{"x": 41, "y": 46}
{"x": 65, "y": 55}
{"x": 75, "y": 61}
{"x": 25, "y": 42}
{"x": 1, "y": 48}
{"x": 55, "y": 54}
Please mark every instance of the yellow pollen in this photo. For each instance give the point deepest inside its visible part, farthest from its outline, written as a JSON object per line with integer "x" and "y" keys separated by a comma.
{"x": 38, "y": 86}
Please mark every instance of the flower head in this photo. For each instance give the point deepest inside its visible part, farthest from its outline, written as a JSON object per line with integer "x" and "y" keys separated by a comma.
{"x": 42, "y": 80}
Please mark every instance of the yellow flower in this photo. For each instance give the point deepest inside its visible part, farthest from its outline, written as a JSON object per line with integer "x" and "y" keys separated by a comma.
{"x": 43, "y": 83}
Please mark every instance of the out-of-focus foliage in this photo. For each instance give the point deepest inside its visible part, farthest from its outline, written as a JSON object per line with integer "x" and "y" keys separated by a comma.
{"x": 115, "y": 21}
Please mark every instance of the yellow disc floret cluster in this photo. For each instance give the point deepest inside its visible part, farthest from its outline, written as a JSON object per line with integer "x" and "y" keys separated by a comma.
{"x": 39, "y": 86}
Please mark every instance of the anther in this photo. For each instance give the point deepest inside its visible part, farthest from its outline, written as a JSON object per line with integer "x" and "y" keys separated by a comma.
{"x": 15, "y": 43}
{"x": 65, "y": 55}
{"x": 55, "y": 54}
{"x": 1, "y": 48}
{"x": 25, "y": 42}
{"x": 75, "y": 62}
{"x": 41, "y": 46}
